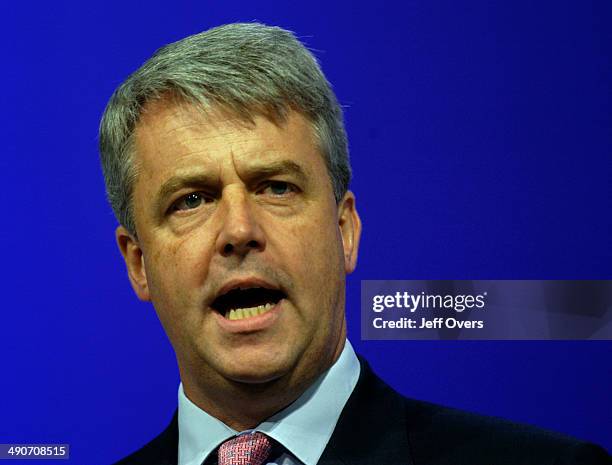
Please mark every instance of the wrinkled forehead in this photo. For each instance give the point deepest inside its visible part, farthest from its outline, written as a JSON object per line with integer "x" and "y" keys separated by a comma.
{"x": 171, "y": 124}
{"x": 173, "y": 137}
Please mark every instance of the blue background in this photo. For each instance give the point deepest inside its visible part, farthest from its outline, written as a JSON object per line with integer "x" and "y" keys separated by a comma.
{"x": 481, "y": 141}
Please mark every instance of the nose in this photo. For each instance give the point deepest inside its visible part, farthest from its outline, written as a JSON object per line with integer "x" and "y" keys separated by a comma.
{"x": 240, "y": 231}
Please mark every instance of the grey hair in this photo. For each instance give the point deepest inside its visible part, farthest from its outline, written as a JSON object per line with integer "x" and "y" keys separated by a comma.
{"x": 247, "y": 68}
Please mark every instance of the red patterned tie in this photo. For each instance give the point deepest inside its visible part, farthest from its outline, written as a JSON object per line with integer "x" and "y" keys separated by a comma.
{"x": 246, "y": 449}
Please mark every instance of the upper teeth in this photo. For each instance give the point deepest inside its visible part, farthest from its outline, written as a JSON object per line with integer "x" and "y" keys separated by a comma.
{"x": 240, "y": 313}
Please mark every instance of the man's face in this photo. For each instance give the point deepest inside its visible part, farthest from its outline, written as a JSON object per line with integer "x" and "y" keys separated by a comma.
{"x": 237, "y": 216}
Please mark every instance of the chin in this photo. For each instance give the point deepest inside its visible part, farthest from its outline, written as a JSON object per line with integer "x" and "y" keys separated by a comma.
{"x": 256, "y": 376}
{"x": 258, "y": 369}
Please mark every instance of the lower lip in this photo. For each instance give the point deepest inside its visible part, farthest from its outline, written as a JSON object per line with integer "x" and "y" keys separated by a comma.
{"x": 251, "y": 324}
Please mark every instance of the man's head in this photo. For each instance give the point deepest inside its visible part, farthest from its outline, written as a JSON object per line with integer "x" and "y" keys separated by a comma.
{"x": 226, "y": 164}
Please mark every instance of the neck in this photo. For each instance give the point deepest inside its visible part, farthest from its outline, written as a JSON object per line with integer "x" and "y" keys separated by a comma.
{"x": 243, "y": 406}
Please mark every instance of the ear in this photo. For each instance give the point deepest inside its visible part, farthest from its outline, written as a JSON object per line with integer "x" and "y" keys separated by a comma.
{"x": 350, "y": 230}
{"x": 134, "y": 261}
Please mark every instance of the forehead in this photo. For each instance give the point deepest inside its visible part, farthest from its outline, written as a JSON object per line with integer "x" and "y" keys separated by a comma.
{"x": 172, "y": 136}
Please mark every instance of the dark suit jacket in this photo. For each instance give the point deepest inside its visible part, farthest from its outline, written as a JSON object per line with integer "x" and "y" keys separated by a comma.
{"x": 380, "y": 427}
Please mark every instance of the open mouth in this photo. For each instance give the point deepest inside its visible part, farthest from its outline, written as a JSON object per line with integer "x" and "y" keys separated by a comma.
{"x": 238, "y": 304}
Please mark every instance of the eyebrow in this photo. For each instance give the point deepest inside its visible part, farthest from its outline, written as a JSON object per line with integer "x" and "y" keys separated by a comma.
{"x": 253, "y": 174}
{"x": 258, "y": 172}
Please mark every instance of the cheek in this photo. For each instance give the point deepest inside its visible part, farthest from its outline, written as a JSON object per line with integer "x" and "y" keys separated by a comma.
{"x": 176, "y": 272}
{"x": 316, "y": 252}
{"x": 325, "y": 243}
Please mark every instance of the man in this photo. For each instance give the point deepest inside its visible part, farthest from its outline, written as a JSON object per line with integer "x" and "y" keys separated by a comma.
{"x": 226, "y": 163}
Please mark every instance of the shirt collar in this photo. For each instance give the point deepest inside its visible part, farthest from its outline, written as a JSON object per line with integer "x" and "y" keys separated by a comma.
{"x": 303, "y": 428}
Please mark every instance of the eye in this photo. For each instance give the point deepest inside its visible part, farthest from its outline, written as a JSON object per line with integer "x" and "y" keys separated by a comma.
{"x": 278, "y": 188}
{"x": 190, "y": 201}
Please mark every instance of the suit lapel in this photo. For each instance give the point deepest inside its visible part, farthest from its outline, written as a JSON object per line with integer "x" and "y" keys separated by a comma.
{"x": 372, "y": 427}
{"x": 164, "y": 448}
